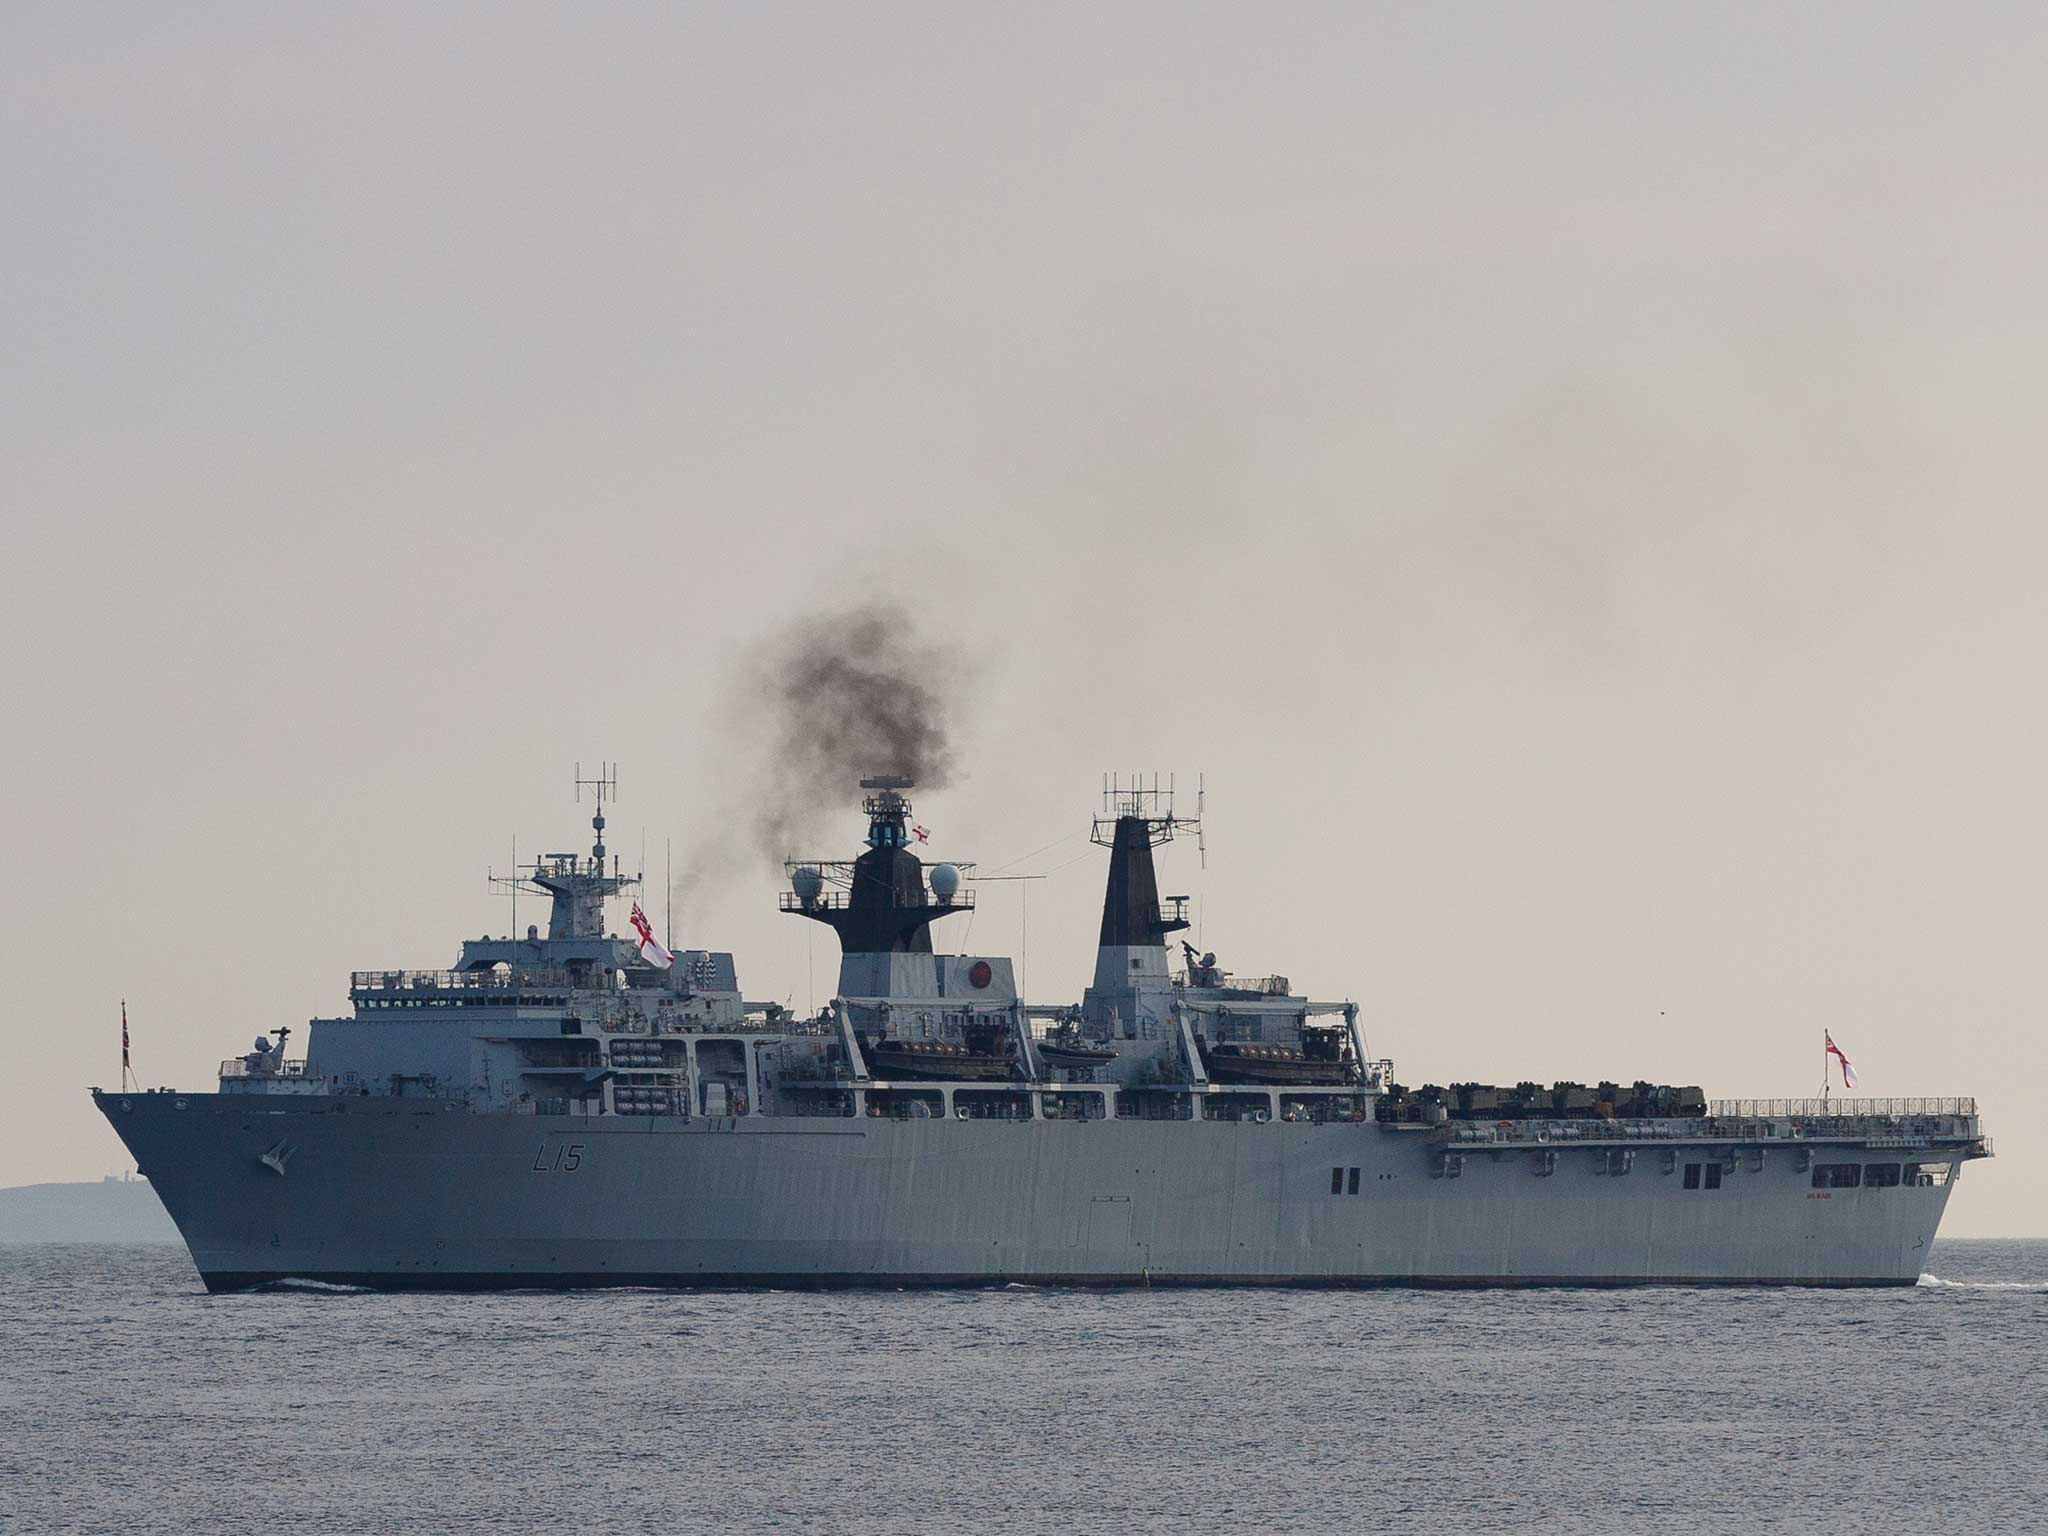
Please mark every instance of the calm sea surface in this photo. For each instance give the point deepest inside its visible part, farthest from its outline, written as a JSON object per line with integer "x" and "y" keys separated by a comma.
{"x": 130, "y": 1400}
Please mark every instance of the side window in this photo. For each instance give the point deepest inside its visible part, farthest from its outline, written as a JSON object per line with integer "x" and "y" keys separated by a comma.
{"x": 1881, "y": 1175}
{"x": 1713, "y": 1175}
{"x": 1837, "y": 1175}
{"x": 1354, "y": 1181}
{"x": 1692, "y": 1175}
{"x": 1336, "y": 1181}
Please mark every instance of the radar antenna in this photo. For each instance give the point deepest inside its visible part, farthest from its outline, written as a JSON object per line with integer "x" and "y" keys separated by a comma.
{"x": 888, "y": 812}
{"x": 1152, "y": 803}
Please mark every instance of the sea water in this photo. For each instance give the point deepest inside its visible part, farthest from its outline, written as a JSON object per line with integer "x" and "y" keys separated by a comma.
{"x": 130, "y": 1400}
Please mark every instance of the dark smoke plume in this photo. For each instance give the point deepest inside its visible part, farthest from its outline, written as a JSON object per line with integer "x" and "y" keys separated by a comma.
{"x": 837, "y": 696}
{"x": 841, "y": 695}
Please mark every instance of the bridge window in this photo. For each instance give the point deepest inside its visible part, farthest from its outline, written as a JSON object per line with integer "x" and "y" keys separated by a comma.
{"x": 1354, "y": 1182}
{"x": 1880, "y": 1175}
{"x": 1692, "y": 1175}
{"x": 1837, "y": 1175}
{"x": 1336, "y": 1181}
{"x": 1713, "y": 1175}
{"x": 1927, "y": 1175}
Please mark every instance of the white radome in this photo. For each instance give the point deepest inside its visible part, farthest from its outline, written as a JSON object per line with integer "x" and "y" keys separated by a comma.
{"x": 945, "y": 881}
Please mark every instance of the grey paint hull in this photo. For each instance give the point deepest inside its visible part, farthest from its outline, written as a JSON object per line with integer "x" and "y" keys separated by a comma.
{"x": 412, "y": 1193}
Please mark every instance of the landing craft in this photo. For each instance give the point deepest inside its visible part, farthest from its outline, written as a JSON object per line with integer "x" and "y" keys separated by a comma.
{"x": 559, "y": 1111}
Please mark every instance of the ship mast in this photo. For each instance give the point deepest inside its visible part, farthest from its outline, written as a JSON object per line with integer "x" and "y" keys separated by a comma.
{"x": 1133, "y": 977}
{"x": 1138, "y": 817}
{"x": 578, "y": 886}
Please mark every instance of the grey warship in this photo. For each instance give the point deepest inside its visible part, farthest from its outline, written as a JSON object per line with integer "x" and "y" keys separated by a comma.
{"x": 579, "y": 1109}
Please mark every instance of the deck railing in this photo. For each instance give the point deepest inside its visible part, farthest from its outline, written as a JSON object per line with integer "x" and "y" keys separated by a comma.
{"x": 1758, "y": 1122}
{"x": 1835, "y": 1109}
{"x": 530, "y": 979}
{"x": 961, "y": 900}
{"x": 238, "y": 1066}
{"x": 1209, "y": 976}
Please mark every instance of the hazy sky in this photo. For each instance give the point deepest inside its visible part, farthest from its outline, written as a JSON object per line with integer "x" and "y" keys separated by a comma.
{"x": 1570, "y": 476}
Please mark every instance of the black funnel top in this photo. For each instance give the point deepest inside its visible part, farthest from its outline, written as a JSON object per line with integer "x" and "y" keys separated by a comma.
{"x": 1130, "y": 903}
{"x": 887, "y": 911}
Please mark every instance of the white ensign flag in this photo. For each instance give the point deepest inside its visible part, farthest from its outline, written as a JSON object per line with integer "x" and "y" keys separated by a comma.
{"x": 1834, "y": 1050}
{"x": 651, "y": 949}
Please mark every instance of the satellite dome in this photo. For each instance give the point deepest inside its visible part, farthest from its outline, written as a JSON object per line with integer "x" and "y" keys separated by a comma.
{"x": 945, "y": 881}
{"x": 806, "y": 882}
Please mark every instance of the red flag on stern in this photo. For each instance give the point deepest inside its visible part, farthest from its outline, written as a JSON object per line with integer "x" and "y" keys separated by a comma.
{"x": 1834, "y": 1050}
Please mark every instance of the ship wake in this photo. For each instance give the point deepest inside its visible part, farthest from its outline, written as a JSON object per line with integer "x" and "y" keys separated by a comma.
{"x": 315, "y": 1287}
{"x": 2025, "y": 1287}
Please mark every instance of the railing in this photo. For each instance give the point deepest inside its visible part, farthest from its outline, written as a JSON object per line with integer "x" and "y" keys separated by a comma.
{"x": 751, "y": 1024}
{"x": 1220, "y": 980}
{"x": 1761, "y": 1130}
{"x": 1835, "y": 1109}
{"x": 238, "y": 1066}
{"x": 838, "y": 901}
{"x": 531, "y": 979}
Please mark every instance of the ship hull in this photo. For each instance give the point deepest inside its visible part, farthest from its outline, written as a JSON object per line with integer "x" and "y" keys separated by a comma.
{"x": 417, "y": 1193}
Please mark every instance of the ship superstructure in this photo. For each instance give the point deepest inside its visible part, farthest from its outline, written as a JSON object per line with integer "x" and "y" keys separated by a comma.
{"x": 565, "y": 1109}
{"x": 573, "y": 1021}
